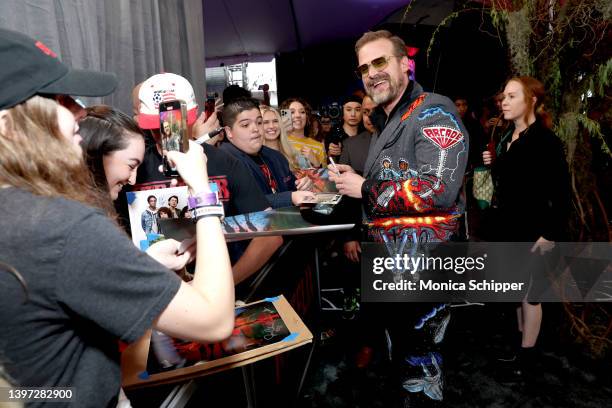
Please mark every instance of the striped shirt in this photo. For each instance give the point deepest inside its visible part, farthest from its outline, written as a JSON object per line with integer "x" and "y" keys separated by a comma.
{"x": 317, "y": 147}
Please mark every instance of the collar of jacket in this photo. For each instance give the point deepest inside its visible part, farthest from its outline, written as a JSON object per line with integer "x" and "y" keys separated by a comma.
{"x": 380, "y": 119}
{"x": 229, "y": 146}
{"x": 535, "y": 128}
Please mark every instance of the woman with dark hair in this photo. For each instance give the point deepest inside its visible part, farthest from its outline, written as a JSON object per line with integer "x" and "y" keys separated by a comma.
{"x": 185, "y": 213}
{"x": 113, "y": 146}
{"x": 311, "y": 152}
{"x": 532, "y": 196}
{"x": 88, "y": 286}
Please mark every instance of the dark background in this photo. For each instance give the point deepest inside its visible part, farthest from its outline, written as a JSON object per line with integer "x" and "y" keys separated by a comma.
{"x": 467, "y": 59}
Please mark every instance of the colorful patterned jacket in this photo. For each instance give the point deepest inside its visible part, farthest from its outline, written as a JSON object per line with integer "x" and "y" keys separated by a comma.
{"x": 415, "y": 167}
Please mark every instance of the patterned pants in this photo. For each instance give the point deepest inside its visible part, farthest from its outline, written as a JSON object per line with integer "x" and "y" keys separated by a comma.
{"x": 415, "y": 349}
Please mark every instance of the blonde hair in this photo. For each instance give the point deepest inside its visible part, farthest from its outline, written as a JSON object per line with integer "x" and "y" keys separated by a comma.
{"x": 36, "y": 157}
{"x": 285, "y": 147}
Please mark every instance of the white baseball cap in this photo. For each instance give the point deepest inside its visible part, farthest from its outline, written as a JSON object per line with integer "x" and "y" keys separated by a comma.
{"x": 162, "y": 88}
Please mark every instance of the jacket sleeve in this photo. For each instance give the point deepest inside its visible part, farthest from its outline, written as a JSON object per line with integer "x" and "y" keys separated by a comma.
{"x": 143, "y": 224}
{"x": 289, "y": 176}
{"x": 441, "y": 151}
{"x": 280, "y": 200}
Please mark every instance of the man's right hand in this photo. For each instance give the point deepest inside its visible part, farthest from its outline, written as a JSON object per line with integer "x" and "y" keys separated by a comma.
{"x": 191, "y": 167}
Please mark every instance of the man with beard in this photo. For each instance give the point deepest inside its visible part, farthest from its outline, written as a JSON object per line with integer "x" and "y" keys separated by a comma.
{"x": 423, "y": 131}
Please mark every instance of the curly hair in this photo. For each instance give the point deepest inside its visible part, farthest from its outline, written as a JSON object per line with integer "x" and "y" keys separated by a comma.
{"x": 308, "y": 127}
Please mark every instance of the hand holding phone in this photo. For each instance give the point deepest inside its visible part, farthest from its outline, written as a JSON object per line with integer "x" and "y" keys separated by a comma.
{"x": 192, "y": 167}
{"x": 173, "y": 129}
{"x": 286, "y": 120}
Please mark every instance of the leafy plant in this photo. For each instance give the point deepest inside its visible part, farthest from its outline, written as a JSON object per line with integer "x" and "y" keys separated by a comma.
{"x": 565, "y": 44}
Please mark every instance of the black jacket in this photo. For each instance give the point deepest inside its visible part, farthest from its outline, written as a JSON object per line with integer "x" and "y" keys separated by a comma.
{"x": 531, "y": 181}
{"x": 279, "y": 169}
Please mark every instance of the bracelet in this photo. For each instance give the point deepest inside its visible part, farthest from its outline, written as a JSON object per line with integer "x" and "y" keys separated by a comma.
{"x": 207, "y": 211}
{"x": 202, "y": 199}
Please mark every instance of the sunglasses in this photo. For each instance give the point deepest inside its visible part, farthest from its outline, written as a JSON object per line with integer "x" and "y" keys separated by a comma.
{"x": 378, "y": 64}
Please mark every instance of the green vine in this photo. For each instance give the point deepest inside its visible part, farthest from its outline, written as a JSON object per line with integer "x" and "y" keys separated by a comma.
{"x": 518, "y": 34}
{"x": 602, "y": 78}
{"x": 447, "y": 20}
{"x": 565, "y": 44}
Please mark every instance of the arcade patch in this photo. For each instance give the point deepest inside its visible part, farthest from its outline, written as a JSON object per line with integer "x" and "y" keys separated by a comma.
{"x": 442, "y": 136}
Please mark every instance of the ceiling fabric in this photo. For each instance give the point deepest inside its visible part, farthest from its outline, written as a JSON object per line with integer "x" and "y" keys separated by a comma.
{"x": 251, "y": 30}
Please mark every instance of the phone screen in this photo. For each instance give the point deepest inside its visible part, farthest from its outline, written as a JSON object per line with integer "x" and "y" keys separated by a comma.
{"x": 173, "y": 129}
{"x": 209, "y": 107}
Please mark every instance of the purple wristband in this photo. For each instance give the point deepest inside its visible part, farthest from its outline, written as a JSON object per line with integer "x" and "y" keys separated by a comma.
{"x": 202, "y": 199}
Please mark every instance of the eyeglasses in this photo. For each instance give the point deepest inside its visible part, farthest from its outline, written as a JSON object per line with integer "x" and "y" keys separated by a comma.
{"x": 378, "y": 64}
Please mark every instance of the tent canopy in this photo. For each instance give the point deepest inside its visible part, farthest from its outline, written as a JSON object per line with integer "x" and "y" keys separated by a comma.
{"x": 252, "y": 30}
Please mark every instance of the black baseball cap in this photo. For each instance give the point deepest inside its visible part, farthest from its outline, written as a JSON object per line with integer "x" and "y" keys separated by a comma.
{"x": 352, "y": 98}
{"x": 28, "y": 68}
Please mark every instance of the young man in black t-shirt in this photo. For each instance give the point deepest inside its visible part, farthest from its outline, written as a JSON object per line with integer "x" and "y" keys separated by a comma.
{"x": 237, "y": 189}
{"x": 350, "y": 127}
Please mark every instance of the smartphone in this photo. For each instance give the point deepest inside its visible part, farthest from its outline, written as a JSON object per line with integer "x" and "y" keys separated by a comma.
{"x": 173, "y": 129}
{"x": 335, "y": 136}
{"x": 286, "y": 113}
{"x": 209, "y": 106}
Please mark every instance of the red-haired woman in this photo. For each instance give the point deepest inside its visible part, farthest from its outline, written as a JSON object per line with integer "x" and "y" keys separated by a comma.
{"x": 532, "y": 197}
